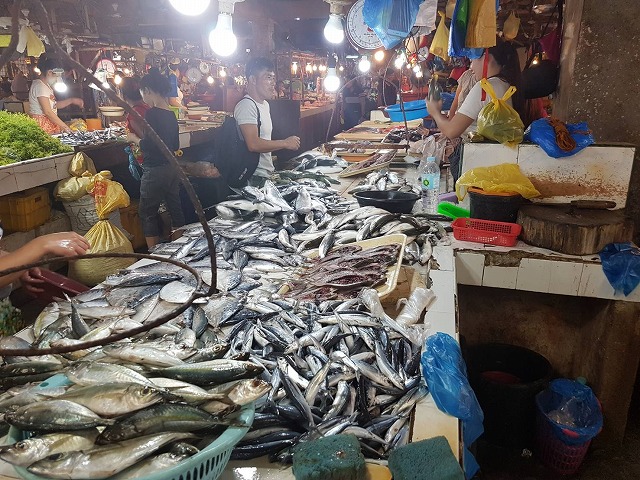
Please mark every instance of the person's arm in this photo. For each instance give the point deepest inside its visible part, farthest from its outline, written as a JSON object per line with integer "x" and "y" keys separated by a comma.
{"x": 175, "y": 102}
{"x": 260, "y": 145}
{"x": 71, "y": 101}
{"x": 450, "y": 127}
{"x": 454, "y": 105}
{"x": 45, "y": 105}
{"x": 65, "y": 244}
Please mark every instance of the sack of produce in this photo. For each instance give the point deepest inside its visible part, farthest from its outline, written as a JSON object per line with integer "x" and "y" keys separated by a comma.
{"x": 104, "y": 237}
{"x": 498, "y": 120}
{"x": 81, "y": 170}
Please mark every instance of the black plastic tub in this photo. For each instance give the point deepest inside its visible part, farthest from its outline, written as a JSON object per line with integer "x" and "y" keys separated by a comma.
{"x": 390, "y": 200}
{"x": 506, "y": 379}
{"x": 491, "y": 206}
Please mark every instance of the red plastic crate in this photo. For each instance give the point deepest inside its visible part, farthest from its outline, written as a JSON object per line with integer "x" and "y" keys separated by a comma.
{"x": 486, "y": 231}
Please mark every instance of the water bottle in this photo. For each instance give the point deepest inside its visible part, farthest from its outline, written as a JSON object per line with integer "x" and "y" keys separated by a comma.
{"x": 430, "y": 184}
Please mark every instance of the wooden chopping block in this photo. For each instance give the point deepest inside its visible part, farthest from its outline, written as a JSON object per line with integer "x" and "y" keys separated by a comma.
{"x": 573, "y": 231}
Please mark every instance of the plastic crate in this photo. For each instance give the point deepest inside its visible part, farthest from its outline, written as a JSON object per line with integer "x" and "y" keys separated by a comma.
{"x": 24, "y": 211}
{"x": 486, "y": 231}
{"x": 207, "y": 464}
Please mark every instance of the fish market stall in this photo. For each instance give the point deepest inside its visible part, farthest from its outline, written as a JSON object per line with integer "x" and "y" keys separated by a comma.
{"x": 330, "y": 359}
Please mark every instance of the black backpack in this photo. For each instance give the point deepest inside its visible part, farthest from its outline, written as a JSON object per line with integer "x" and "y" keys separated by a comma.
{"x": 232, "y": 158}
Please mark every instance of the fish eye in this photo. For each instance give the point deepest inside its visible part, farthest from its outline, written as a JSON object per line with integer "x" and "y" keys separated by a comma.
{"x": 55, "y": 456}
{"x": 21, "y": 445}
{"x": 147, "y": 390}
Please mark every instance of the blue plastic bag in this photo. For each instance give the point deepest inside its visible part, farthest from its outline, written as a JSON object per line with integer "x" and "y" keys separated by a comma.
{"x": 542, "y": 133}
{"x": 572, "y": 410}
{"x": 134, "y": 167}
{"x": 391, "y": 20}
{"x": 445, "y": 372}
{"x": 621, "y": 266}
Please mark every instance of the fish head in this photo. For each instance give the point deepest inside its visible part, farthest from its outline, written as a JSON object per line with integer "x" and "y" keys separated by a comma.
{"x": 145, "y": 394}
{"x": 61, "y": 463}
{"x": 116, "y": 433}
{"x": 183, "y": 449}
{"x": 25, "y": 452}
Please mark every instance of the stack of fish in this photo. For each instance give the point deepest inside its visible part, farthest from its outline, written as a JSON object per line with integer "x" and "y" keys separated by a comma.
{"x": 96, "y": 137}
{"x": 385, "y": 180}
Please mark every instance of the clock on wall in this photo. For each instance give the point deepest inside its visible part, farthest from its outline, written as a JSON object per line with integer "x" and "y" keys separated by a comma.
{"x": 359, "y": 34}
{"x": 106, "y": 65}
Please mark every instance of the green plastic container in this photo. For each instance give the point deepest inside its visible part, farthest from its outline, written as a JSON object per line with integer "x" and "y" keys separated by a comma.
{"x": 207, "y": 464}
{"x": 452, "y": 211}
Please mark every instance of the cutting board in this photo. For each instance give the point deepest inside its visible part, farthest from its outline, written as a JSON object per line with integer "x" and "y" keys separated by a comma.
{"x": 573, "y": 231}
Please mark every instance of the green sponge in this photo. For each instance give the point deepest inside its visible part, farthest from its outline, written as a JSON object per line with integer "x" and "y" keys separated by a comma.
{"x": 337, "y": 457}
{"x": 432, "y": 459}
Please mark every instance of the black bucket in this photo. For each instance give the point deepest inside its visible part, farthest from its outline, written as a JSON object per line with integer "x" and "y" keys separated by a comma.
{"x": 506, "y": 379}
{"x": 496, "y": 207}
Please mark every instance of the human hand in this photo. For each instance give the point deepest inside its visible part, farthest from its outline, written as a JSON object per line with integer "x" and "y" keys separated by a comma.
{"x": 79, "y": 102}
{"x": 292, "y": 143}
{"x": 211, "y": 171}
{"x": 434, "y": 108}
{"x": 65, "y": 244}
{"x": 30, "y": 280}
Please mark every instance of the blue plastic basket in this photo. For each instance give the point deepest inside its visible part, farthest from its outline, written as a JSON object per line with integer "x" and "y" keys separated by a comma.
{"x": 208, "y": 464}
{"x": 413, "y": 111}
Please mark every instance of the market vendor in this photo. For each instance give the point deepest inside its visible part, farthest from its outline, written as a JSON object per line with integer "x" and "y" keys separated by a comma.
{"x": 175, "y": 94}
{"x": 253, "y": 115}
{"x": 43, "y": 106}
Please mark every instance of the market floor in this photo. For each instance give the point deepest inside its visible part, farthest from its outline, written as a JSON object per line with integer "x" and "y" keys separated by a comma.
{"x": 621, "y": 463}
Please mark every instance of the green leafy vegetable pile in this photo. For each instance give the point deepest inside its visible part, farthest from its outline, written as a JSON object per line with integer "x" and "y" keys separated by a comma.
{"x": 21, "y": 138}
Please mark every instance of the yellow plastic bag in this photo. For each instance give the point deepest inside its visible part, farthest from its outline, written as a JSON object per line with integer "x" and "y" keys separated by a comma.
{"x": 109, "y": 195}
{"x": 498, "y": 120}
{"x": 440, "y": 44}
{"x": 481, "y": 32}
{"x": 81, "y": 170}
{"x": 104, "y": 237}
{"x": 503, "y": 178}
{"x": 511, "y": 27}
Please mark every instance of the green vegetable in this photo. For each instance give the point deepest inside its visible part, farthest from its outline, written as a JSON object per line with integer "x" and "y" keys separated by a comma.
{"x": 21, "y": 138}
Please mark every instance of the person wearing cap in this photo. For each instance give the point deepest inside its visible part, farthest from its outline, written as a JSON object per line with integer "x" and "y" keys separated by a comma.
{"x": 43, "y": 106}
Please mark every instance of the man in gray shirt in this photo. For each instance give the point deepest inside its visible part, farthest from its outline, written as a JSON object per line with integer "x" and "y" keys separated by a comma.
{"x": 253, "y": 116}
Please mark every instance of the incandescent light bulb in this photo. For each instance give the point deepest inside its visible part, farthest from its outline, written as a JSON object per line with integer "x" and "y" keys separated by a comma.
{"x": 333, "y": 30}
{"x": 221, "y": 39}
{"x": 190, "y": 7}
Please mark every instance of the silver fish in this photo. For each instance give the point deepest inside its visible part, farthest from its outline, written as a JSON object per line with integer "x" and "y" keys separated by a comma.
{"x": 55, "y": 415}
{"x": 28, "y": 451}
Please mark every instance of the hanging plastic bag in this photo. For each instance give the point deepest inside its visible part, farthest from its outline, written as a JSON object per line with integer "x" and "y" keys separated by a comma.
{"x": 427, "y": 15}
{"x": 451, "y": 6}
{"x": 503, "y": 178}
{"x": 542, "y": 133}
{"x": 446, "y": 375}
{"x": 392, "y": 21}
{"x": 134, "y": 166}
{"x": 458, "y": 33}
{"x": 511, "y": 27}
{"x": 104, "y": 237}
{"x": 498, "y": 120}
{"x": 440, "y": 43}
{"x": 481, "y": 30}
{"x": 81, "y": 170}
{"x": 621, "y": 266}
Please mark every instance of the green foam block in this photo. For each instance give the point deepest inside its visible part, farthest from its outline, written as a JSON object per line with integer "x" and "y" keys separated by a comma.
{"x": 430, "y": 459}
{"x": 337, "y": 457}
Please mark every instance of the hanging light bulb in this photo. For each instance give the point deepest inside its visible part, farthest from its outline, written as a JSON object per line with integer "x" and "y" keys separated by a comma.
{"x": 308, "y": 68}
{"x": 117, "y": 79}
{"x": 379, "y": 56}
{"x": 536, "y": 60}
{"x": 314, "y": 67}
{"x": 341, "y": 68}
{"x": 322, "y": 68}
{"x": 36, "y": 70}
{"x": 416, "y": 68}
{"x": 222, "y": 40}
{"x": 190, "y": 7}
{"x": 127, "y": 71}
{"x": 333, "y": 30}
{"x": 210, "y": 80}
{"x": 105, "y": 85}
{"x": 419, "y": 73}
{"x": 222, "y": 73}
{"x": 364, "y": 65}
{"x": 294, "y": 68}
{"x": 331, "y": 81}
{"x": 400, "y": 61}
{"x": 60, "y": 86}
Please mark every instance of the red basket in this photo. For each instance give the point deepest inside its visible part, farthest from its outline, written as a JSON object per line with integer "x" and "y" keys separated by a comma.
{"x": 486, "y": 231}
{"x": 555, "y": 454}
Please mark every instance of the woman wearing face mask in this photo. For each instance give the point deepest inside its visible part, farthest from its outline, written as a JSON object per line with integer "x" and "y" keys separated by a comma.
{"x": 43, "y": 106}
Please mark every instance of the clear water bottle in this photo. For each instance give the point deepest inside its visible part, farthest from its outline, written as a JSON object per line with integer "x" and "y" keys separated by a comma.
{"x": 429, "y": 171}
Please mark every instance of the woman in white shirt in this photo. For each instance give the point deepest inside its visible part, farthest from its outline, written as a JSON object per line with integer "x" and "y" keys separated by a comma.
{"x": 43, "y": 106}
{"x": 503, "y": 71}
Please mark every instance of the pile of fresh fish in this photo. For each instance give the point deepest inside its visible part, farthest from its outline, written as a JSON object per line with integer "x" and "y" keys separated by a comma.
{"x": 385, "y": 180}
{"x": 314, "y": 158}
{"x": 399, "y": 135}
{"x": 343, "y": 272}
{"x": 95, "y": 137}
{"x": 380, "y": 158}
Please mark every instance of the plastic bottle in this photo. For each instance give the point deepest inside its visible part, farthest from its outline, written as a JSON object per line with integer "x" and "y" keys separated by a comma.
{"x": 429, "y": 171}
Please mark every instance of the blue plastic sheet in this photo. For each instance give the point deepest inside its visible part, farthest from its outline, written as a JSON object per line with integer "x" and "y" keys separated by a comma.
{"x": 541, "y": 132}
{"x": 391, "y": 20}
{"x": 446, "y": 375}
{"x": 621, "y": 266}
{"x": 572, "y": 409}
